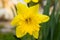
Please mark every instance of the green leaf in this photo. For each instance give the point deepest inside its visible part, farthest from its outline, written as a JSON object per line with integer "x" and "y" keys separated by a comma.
{"x": 47, "y": 7}
{"x": 57, "y": 28}
{"x": 7, "y": 36}
{"x": 45, "y": 26}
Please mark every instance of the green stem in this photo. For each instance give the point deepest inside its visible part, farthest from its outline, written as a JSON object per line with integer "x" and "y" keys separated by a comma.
{"x": 27, "y": 37}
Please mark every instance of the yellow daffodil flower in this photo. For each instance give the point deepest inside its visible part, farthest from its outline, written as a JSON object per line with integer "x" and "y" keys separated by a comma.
{"x": 27, "y": 1}
{"x": 28, "y": 20}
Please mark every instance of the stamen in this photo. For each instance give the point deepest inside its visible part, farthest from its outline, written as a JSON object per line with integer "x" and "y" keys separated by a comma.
{"x": 28, "y": 20}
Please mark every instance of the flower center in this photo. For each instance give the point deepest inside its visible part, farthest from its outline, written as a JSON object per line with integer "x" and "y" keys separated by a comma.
{"x": 28, "y": 20}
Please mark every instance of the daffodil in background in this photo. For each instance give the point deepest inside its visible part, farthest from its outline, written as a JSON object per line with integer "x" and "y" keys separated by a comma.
{"x": 27, "y": 1}
{"x": 28, "y": 20}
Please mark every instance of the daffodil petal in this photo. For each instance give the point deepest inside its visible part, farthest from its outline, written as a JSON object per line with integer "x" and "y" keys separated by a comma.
{"x": 34, "y": 9}
{"x": 44, "y": 18}
{"x": 35, "y": 1}
{"x": 36, "y": 31}
{"x": 40, "y": 18}
{"x": 21, "y": 8}
{"x": 20, "y": 32}
{"x": 27, "y": 1}
{"x": 36, "y": 34}
{"x": 30, "y": 30}
{"x": 17, "y": 19}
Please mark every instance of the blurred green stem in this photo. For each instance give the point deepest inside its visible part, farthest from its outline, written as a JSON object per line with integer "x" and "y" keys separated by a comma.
{"x": 28, "y": 37}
